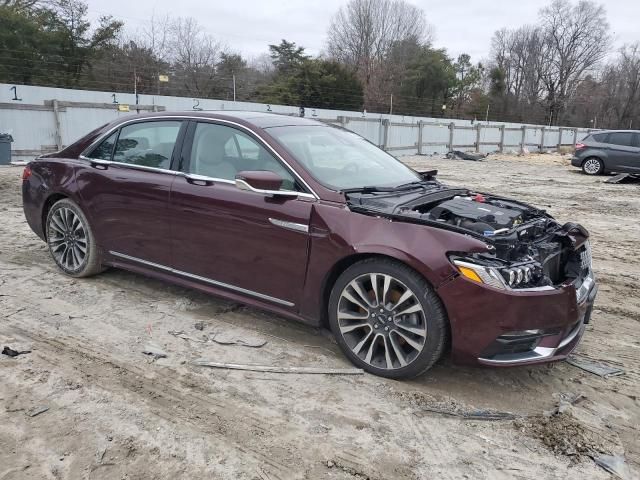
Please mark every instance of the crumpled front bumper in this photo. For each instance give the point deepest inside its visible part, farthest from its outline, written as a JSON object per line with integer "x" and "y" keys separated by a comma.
{"x": 484, "y": 318}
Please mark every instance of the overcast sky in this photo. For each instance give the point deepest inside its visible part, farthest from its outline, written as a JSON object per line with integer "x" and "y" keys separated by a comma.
{"x": 248, "y": 26}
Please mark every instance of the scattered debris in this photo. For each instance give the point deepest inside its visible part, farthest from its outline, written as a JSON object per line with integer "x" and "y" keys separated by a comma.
{"x": 457, "y": 154}
{"x": 267, "y": 368}
{"x": 37, "y": 411}
{"x": 594, "y": 367}
{"x": 154, "y": 350}
{"x": 624, "y": 178}
{"x": 427, "y": 403}
{"x": 13, "y": 353}
{"x": 199, "y": 326}
{"x": 227, "y": 339}
{"x": 564, "y": 404}
{"x": 616, "y": 465}
{"x": 184, "y": 336}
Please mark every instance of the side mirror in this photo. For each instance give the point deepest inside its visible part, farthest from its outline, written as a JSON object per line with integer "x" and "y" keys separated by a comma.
{"x": 263, "y": 182}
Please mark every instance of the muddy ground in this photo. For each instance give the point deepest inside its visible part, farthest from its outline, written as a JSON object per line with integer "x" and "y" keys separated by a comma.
{"x": 115, "y": 413}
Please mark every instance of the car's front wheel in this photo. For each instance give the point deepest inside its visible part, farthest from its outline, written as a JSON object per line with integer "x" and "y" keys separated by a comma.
{"x": 387, "y": 319}
{"x": 71, "y": 241}
{"x": 593, "y": 166}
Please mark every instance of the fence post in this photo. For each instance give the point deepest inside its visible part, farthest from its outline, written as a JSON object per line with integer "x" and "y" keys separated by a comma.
{"x": 452, "y": 127}
{"x": 419, "y": 137}
{"x": 542, "y": 139}
{"x": 341, "y": 121}
{"x": 560, "y": 139}
{"x": 478, "y": 128}
{"x": 56, "y": 119}
{"x": 575, "y": 136}
{"x": 523, "y": 139}
{"x": 385, "y": 133}
{"x": 501, "y": 146}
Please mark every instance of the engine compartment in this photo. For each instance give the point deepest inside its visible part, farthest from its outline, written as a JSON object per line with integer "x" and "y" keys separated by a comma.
{"x": 526, "y": 244}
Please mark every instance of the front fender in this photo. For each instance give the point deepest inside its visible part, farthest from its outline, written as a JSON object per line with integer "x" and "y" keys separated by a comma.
{"x": 338, "y": 234}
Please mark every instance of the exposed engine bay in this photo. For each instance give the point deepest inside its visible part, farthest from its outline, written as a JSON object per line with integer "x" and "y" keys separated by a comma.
{"x": 528, "y": 248}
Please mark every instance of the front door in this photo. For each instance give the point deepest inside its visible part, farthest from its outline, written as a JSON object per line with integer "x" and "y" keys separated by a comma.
{"x": 623, "y": 154}
{"x": 239, "y": 240}
{"x": 125, "y": 183}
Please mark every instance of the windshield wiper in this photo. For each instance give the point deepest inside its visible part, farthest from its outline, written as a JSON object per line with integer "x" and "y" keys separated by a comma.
{"x": 398, "y": 188}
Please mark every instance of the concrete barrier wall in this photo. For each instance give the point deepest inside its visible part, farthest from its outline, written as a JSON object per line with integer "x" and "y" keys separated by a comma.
{"x": 44, "y": 119}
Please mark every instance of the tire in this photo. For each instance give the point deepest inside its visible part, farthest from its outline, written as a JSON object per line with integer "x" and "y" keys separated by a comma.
{"x": 593, "y": 166}
{"x": 70, "y": 240}
{"x": 370, "y": 327}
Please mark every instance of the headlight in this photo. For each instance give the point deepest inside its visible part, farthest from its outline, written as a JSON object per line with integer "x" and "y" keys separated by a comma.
{"x": 505, "y": 278}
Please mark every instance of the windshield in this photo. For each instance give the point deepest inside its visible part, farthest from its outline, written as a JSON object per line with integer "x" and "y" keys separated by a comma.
{"x": 342, "y": 160}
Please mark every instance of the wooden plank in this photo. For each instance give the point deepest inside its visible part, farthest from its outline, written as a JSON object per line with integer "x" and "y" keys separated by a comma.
{"x": 27, "y": 106}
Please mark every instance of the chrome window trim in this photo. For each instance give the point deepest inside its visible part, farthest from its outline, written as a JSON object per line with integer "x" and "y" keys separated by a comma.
{"x": 128, "y": 165}
{"x": 203, "y": 279}
{"x": 102, "y": 137}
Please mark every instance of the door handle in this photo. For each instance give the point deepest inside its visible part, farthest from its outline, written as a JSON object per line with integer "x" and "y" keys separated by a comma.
{"x": 99, "y": 164}
{"x": 196, "y": 179}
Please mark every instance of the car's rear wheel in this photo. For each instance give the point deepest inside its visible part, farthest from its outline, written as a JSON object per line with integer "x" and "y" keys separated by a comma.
{"x": 71, "y": 241}
{"x": 593, "y": 166}
{"x": 387, "y": 319}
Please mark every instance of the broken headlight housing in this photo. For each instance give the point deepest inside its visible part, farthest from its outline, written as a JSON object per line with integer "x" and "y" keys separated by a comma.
{"x": 502, "y": 277}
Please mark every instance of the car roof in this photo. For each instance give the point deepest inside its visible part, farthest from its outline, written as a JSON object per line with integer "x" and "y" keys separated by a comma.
{"x": 613, "y": 131}
{"x": 258, "y": 119}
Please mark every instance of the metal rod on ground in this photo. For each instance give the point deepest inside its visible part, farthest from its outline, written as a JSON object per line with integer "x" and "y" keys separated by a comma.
{"x": 267, "y": 368}
{"x": 419, "y": 137}
{"x": 486, "y": 117}
{"x": 575, "y": 136}
{"x": 234, "y": 87}
{"x": 542, "y": 139}
{"x": 391, "y": 106}
{"x": 523, "y": 139}
{"x": 478, "y": 128}
{"x": 56, "y": 118}
{"x": 501, "y": 145}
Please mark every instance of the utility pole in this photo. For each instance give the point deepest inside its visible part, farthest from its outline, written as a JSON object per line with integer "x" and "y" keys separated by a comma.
{"x": 234, "y": 87}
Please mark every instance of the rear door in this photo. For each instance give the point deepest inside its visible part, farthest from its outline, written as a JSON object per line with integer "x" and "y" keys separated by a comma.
{"x": 239, "y": 240}
{"x": 125, "y": 183}
{"x": 623, "y": 154}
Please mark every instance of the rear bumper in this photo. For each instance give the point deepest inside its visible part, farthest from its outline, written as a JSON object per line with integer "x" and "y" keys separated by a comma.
{"x": 576, "y": 161}
{"x": 507, "y": 328}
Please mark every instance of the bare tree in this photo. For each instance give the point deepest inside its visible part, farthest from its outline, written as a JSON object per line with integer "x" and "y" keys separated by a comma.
{"x": 364, "y": 32}
{"x": 576, "y": 38}
{"x": 194, "y": 55}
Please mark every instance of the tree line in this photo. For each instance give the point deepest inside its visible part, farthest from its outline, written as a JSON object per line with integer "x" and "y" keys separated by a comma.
{"x": 379, "y": 57}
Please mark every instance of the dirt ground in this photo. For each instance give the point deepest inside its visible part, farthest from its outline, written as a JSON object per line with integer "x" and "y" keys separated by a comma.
{"x": 114, "y": 413}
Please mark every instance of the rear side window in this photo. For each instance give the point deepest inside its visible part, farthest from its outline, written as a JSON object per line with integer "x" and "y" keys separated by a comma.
{"x": 149, "y": 144}
{"x": 599, "y": 137}
{"x": 621, "y": 138}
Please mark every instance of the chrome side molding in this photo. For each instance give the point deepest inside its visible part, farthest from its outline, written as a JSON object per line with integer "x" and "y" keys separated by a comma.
{"x": 298, "y": 227}
{"x": 216, "y": 283}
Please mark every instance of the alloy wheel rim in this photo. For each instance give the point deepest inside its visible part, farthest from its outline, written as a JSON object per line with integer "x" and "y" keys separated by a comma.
{"x": 67, "y": 239}
{"x": 592, "y": 166}
{"x": 382, "y": 321}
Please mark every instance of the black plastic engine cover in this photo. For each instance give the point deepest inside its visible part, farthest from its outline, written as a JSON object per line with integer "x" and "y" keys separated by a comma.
{"x": 462, "y": 208}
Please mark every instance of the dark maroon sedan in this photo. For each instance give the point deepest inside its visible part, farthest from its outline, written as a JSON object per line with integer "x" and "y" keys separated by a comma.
{"x": 317, "y": 224}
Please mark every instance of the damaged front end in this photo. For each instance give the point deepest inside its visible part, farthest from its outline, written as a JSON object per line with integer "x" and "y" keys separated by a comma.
{"x": 526, "y": 297}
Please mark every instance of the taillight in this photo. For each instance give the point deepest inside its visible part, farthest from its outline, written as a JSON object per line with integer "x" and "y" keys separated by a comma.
{"x": 580, "y": 146}
{"x": 26, "y": 173}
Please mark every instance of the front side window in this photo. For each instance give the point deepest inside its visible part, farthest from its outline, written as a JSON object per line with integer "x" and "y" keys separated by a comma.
{"x": 340, "y": 160}
{"x": 621, "y": 138}
{"x": 148, "y": 144}
{"x": 219, "y": 151}
{"x": 105, "y": 149}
